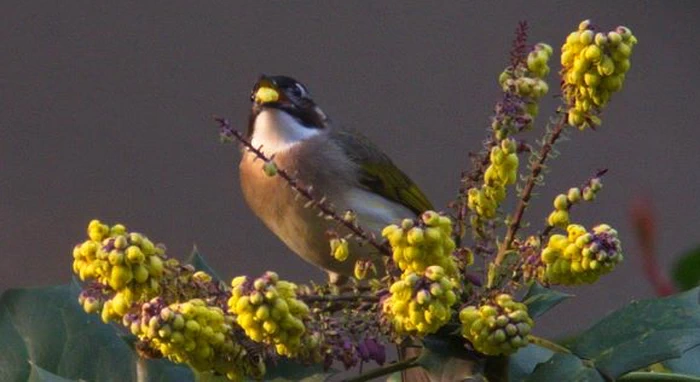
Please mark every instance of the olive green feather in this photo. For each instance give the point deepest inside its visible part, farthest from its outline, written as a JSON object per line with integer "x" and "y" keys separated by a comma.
{"x": 378, "y": 173}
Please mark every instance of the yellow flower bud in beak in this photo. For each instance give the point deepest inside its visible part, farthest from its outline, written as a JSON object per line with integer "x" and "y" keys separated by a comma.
{"x": 266, "y": 94}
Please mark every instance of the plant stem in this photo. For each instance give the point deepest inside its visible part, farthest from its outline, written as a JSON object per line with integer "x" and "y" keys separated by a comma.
{"x": 526, "y": 194}
{"x": 333, "y": 298}
{"x": 322, "y": 205}
{"x": 141, "y": 370}
{"x": 386, "y": 370}
{"x": 547, "y": 344}
{"x": 468, "y": 181}
{"x": 548, "y": 228}
{"x": 651, "y": 376}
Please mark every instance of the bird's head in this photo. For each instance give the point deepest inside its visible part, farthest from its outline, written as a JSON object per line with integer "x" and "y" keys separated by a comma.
{"x": 283, "y": 108}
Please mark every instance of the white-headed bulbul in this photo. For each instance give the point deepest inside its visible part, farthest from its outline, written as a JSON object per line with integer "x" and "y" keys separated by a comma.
{"x": 340, "y": 164}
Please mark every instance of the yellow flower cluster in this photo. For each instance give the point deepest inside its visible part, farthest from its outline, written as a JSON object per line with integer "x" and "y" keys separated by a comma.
{"x": 581, "y": 257}
{"x": 594, "y": 67}
{"x": 419, "y": 245}
{"x": 528, "y": 81}
{"x": 562, "y": 203}
{"x": 537, "y": 60}
{"x": 129, "y": 263}
{"x": 420, "y": 304}
{"x": 502, "y": 171}
{"x": 498, "y": 327}
{"x": 268, "y": 310}
{"x": 197, "y": 334}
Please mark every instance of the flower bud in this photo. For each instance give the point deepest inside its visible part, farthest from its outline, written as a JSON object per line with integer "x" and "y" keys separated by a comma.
{"x": 558, "y": 218}
{"x": 561, "y": 202}
{"x": 493, "y": 333}
{"x": 574, "y": 195}
{"x": 340, "y": 249}
{"x": 270, "y": 168}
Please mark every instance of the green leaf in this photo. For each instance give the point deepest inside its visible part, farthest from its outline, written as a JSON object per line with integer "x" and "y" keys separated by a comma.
{"x": 522, "y": 363}
{"x": 13, "y": 352}
{"x": 638, "y": 335}
{"x": 40, "y": 375}
{"x": 631, "y": 338}
{"x": 198, "y": 262}
{"x": 47, "y": 327}
{"x": 288, "y": 370}
{"x": 688, "y": 363}
{"x": 540, "y": 299}
{"x": 565, "y": 367}
{"x": 686, "y": 273}
{"x": 445, "y": 358}
{"x": 46, "y": 336}
{"x": 200, "y": 376}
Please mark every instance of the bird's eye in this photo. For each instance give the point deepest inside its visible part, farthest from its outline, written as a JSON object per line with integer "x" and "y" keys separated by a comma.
{"x": 298, "y": 91}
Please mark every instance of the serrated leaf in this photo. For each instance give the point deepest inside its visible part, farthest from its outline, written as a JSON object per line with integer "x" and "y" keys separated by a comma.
{"x": 565, "y": 367}
{"x": 686, "y": 272}
{"x": 642, "y": 333}
{"x": 688, "y": 363}
{"x": 162, "y": 370}
{"x": 445, "y": 359}
{"x": 540, "y": 299}
{"x": 40, "y": 375}
{"x": 47, "y": 327}
{"x": 522, "y": 363}
{"x": 197, "y": 261}
{"x": 46, "y": 334}
{"x": 13, "y": 352}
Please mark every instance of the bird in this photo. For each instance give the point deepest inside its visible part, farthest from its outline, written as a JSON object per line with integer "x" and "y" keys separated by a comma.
{"x": 340, "y": 164}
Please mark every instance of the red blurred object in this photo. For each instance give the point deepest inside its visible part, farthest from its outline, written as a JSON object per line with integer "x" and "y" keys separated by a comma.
{"x": 644, "y": 222}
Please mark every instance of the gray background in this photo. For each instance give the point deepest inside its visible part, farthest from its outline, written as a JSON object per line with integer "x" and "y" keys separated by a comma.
{"x": 106, "y": 112}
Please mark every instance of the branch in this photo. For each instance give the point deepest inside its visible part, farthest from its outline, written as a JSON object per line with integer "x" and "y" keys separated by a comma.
{"x": 228, "y": 133}
{"x": 141, "y": 370}
{"x": 526, "y": 194}
{"x": 469, "y": 180}
{"x": 509, "y": 108}
{"x": 342, "y": 298}
{"x": 386, "y": 370}
{"x": 547, "y": 344}
{"x": 548, "y": 228}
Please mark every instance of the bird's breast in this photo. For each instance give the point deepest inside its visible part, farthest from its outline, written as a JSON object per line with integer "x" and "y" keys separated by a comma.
{"x": 287, "y": 214}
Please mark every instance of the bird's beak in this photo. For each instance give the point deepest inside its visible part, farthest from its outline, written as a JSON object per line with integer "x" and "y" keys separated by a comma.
{"x": 265, "y": 91}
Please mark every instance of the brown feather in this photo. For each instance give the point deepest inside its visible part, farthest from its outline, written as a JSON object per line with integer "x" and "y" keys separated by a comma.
{"x": 378, "y": 173}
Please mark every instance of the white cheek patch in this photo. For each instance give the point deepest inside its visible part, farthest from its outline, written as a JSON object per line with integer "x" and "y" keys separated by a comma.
{"x": 278, "y": 131}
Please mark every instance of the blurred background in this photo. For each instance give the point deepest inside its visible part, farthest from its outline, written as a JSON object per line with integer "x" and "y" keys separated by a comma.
{"x": 107, "y": 113}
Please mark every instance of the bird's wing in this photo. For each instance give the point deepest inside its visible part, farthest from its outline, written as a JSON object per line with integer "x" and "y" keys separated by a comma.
{"x": 378, "y": 173}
